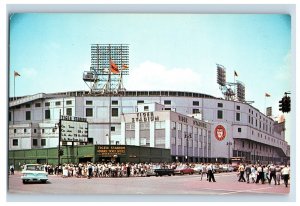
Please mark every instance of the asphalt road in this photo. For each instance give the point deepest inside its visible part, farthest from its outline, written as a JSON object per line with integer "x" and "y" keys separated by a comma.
{"x": 226, "y": 185}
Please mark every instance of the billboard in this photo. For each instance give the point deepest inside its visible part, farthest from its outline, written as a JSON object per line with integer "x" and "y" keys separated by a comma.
{"x": 74, "y": 129}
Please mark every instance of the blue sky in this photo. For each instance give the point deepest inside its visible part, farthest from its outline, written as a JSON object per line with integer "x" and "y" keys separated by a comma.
{"x": 167, "y": 51}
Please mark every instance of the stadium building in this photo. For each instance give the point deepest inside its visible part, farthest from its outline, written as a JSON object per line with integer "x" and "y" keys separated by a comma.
{"x": 195, "y": 126}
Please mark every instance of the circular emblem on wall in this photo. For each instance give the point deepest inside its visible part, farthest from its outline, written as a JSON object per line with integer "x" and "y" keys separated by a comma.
{"x": 220, "y": 132}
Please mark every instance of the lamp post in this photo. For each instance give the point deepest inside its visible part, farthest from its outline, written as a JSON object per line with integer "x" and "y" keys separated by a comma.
{"x": 187, "y": 136}
{"x": 59, "y": 151}
{"x": 228, "y": 144}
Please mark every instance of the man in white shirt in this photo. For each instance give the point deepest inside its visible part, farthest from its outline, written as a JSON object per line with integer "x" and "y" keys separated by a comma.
{"x": 286, "y": 174}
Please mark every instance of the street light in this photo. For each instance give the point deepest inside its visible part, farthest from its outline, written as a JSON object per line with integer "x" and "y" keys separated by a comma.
{"x": 187, "y": 136}
{"x": 228, "y": 144}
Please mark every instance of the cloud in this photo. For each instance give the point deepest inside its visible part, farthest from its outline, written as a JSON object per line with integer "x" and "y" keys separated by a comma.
{"x": 28, "y": 72}
{"x": 153, "y": 76}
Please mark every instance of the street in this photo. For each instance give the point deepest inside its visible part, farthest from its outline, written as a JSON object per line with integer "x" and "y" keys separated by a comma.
{"x": 226, "y": 185}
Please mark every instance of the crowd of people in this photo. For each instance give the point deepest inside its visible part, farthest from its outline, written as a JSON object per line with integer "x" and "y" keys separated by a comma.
{"x": 264, "y": 173}
{"x": 250, "y": 173}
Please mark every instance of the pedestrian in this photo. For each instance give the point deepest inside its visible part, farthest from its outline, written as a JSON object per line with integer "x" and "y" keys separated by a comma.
{"x": 210, "y": 173}
{"x": 285, "y": 174}
{"x": 128, "y": 169}
{"x": 248, "y": 172}
{"x": 259, "y": 175}
{"x": 266, "y": 173}
{"x": 278, "y": 174}
{"x": 272, "y": 173}
{"x": 253, "y": 174}
{"x": 12, "y": 169}
{"x": 241, "y": 170}
{"x": 204, "y": 171}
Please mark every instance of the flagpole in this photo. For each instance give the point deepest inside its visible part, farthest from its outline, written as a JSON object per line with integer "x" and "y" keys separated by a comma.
{"x": 14, "y": 85}
{"x": 265, "y": 105}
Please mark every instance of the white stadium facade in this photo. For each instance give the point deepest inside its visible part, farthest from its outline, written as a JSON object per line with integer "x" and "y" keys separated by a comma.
{"x": 195, "y": 127}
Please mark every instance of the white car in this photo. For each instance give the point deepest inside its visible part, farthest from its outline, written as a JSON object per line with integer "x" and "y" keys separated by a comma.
{"x": 34, "y": 172}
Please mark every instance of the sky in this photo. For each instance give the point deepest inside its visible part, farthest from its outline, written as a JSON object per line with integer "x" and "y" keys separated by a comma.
{"x": 166, "y": 52}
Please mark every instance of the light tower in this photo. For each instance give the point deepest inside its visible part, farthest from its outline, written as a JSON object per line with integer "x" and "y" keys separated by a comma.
{"x": 232, "y": 91}
{"x": 109, "y": 62}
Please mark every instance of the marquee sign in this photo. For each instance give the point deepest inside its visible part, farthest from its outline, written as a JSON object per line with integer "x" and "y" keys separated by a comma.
{"x": 220, "y": 132}
{"x": 110, "y": 151}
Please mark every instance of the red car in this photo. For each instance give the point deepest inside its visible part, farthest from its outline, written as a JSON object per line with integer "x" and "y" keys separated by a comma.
{"x": 183, "y": 169}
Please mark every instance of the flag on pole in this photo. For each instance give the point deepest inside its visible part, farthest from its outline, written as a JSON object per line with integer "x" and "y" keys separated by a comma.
{"x": 113, "y": 67}
{"x": 124, "y": 66}
{"x": 235, "y": 73}
{"x": 267, "y": 95}
{"x": 16, "y": 74}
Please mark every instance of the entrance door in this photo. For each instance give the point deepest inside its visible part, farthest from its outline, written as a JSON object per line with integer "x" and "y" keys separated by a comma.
{"x": 85, "y": 159}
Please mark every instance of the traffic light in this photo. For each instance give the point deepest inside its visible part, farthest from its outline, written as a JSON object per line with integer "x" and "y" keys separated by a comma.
{"x": 287, "y": 104}
{"x": 61, "y": 152}
{"x": 281, "y": 104}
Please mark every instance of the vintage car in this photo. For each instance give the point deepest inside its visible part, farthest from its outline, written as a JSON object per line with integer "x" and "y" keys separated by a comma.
{"x": 183, "y": 169}
{"x": 34, "y": 172}
{"x": 198, "y": 168}
{"x": 163, "y": 170}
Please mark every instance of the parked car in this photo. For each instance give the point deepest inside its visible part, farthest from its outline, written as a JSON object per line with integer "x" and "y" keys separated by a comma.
{"x": 34, "y": 172}
{"x": 163, "y": 170}
{"x": 183, "y": 169}
{"x": 197, "y": 169}
{"x": 217, "y": 169}
{"x": 151, "y": 170}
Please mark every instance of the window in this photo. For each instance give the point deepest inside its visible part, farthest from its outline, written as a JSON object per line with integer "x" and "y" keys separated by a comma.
{"x": 57, "y": 103}
{"x": 243, "y": 143}
{"x": 238, "y": 107}
{"x": 146, "y": 108}
{"x": 220, "y": 114}
{"x": 89, "y": 112}
{"x": 34, "y": 142}
{"x": 15, "y": 130}
{"x": 15, "y": 142}
{"x": 114, "y": 102}
{"x": 114, "y": 112}
{"x": 239, "y": 129}
{"x": 47, "y": 114}
{"x": 25, "y": 130}
{"x": 238, "y": 116}
{"x": 38, "y": 104}
{"x": 167, "y": 102}
{"x": 47, "y": 104}
{"x": 196, "y": 111}
{"x": 167, "y": 109}
{"x": 195, "y": 103}
{"x": 113, "y": 129}
{"x": 27, "y": 105}
{"x": 69, "y": 102}
{"x": 28, "y": 115}
{"x": 69, "y": 111}
{"x": 9, "y": 116}
{"x": 140, "y": 102}
{"x": 89, "y": 102}
{"x": 43, "y": 142}
{"x": 220, "y": 104}
{"x": 43, "y": 131}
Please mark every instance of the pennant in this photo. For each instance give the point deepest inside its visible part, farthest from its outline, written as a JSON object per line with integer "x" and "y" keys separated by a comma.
{"x": 16, "y": 74}
{"x": 235, "y": 73}
{"x": 113, "y": 67}
{"x": 267, "y": 95}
